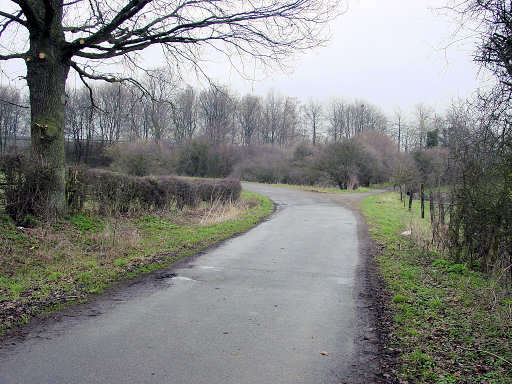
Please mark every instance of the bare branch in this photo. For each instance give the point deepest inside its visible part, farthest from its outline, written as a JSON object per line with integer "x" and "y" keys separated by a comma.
{"x": 13, "y": 56}
{"x": 83, "y": 74}
{"x": 13, "y": 104}
{"x": 103, "y": 34}
{"x": 15, "y": 18}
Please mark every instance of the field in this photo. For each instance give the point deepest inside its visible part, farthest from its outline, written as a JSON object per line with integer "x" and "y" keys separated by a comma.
{"x": 326, "y": 189}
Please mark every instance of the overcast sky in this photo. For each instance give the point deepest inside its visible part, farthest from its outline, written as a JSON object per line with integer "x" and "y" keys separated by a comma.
{"x": 389, "y": 53}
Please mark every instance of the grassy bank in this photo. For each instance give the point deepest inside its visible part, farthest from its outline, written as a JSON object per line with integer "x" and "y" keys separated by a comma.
{"x": 46, "y": 268}
{"x": 325, "y": 190}
{"x": 449, "y": 324}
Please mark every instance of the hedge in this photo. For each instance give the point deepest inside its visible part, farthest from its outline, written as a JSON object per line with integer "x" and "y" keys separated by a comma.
{"x": 23, "y": 184}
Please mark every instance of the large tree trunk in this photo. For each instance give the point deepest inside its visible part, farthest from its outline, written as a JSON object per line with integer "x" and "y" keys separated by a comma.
{"x": 47, "y": 71}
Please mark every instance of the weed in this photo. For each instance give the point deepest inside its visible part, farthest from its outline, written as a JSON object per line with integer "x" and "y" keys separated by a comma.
{"x": 120, "y": 263}
{"x": 399, "y": 299}
{"x": 87, "y": 224}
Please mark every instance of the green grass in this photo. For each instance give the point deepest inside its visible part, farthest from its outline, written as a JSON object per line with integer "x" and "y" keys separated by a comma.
{"x": 326, "y": 190}
{"x": 47, "y": 268}
{"x": 450, "y": 324}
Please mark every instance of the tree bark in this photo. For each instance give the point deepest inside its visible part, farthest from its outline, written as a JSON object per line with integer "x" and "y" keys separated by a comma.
{"x": 47, "y": 71}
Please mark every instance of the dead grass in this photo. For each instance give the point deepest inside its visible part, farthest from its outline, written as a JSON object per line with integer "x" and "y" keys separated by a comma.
{"x": 421, "y": 233}
{"x": 117, "y": 238}
{"x": 218, "y": 212}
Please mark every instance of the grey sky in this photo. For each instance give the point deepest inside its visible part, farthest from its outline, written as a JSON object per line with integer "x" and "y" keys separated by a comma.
{"x": 387, "y": 52}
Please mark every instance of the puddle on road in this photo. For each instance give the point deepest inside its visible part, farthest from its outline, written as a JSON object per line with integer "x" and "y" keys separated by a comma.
{"x": 183, "y": 278}
{"x": 207, "y": 267}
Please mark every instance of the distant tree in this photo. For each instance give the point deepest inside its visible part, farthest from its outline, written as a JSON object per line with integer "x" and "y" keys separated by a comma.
{"x": 432, "y": 138}
{"x": 80, "y": 127}
{"x": 185, "y": 115}
{"x": 272, "y": 116}
{"x": 216, "y": 110}
{"x": 336, "y": 117}
{"x": 398, "y": 124}
{"x": 289, "y": 121}
{"x": 11, "y": 114}
{"x": 160, "y": 93}
{"x": 113, "y": 114}
{"x": 343, "y": 162}
{"x": 423, "y": 120}
{"x": 250, "y": 117}
{"x": 313, "y": 117}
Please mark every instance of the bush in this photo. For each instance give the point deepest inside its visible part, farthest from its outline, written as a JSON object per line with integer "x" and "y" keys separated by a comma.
{"x": 112, "y": 192}
{"x": 347, "y": 164}
{"x": 141, "y": 159}
{"x": 223, "y": 190}
{"x": 200, "y": 158}
{"x": 263, "y": 164}
{"x": 76, "y": 188}
{"x": 26, "y": 185}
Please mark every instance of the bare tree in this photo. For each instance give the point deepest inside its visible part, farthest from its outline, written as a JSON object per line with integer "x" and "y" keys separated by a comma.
{"x": 73, "y": 35}
{"x": 272, "y": 116}
{"x": 423, "y": 120}
{"x": 313, "y": 116}
{"x": 112, "y": 116}
{"x": 185, "y": 115}
{"x": 250, "y": 117}
{"x": 80, "y": 125}
{"x": 216, "y": 109}
{"x": 11, "y": 113}
{"x": 289, "y": 122}
{"x": 336, "y": 116}
{"x": 160, "y": 93}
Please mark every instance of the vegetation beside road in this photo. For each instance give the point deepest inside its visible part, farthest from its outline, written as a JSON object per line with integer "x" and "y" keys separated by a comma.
{"x": 326, "y": 189}
{"x": 450, "y": 324}
{"x": 48, "y": 267}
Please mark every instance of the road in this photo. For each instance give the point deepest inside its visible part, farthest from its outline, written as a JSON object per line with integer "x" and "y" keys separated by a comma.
{"x": 274, "y": 305}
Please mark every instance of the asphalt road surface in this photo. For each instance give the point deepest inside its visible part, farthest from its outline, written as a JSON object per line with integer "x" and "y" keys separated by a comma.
{"x": 275, "y": 305}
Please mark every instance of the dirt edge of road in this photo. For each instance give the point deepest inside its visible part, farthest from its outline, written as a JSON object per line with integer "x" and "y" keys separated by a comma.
{"x": 372, "y": 361}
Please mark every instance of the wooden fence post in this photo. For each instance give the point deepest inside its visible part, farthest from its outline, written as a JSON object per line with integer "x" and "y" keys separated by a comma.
{"x": 432, "y": 214}
{"x": 441, "y": 207}
{"x": 422, "y": 197}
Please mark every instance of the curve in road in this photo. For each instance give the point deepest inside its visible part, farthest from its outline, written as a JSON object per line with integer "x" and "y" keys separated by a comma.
{"x": 275, "y": 305}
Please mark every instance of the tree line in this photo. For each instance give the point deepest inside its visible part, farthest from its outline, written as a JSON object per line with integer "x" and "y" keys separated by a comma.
{"x": 165, "y": 111}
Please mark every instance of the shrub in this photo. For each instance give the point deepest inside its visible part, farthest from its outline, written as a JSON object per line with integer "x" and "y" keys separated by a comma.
{"x": 112, "y": 192}
{"x": 141, "y": 159}
{"x": 26, "y": 186}
{"x": 193, "y": 158}
{"x": 224, "y": 190}
{"x": 180, "y": 191}
{"x": 200, "y": 158}
{"x": 76, "y": 188}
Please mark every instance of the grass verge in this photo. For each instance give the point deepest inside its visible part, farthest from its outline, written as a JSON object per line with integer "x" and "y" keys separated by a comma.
{"x": 325, "y": 190}
{"x": 449, "y": 324}
{"x": 46, "y": 268}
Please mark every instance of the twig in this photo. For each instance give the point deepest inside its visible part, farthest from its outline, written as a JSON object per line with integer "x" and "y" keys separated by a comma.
{"x": 489, "y": 353}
